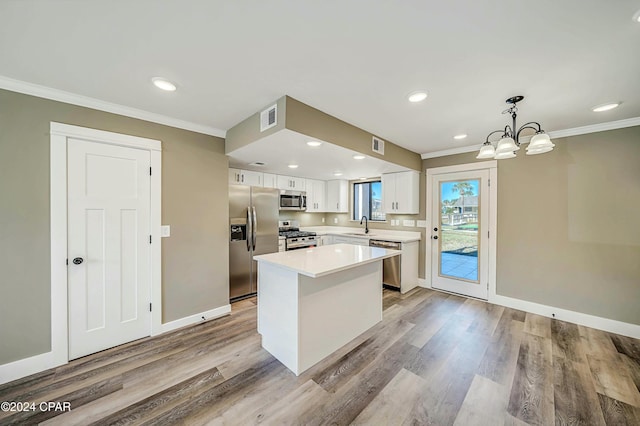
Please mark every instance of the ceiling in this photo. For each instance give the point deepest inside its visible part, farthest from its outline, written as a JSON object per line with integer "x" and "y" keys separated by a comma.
{"x": 278, "y": 150}
{"x": 355, "y": 60}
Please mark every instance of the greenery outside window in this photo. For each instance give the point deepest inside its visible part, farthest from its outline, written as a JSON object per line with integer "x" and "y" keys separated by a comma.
{"x": 367, "y": 200}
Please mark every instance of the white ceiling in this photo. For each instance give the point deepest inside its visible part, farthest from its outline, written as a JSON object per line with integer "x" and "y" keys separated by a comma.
{"x": 355, "y": 60}
{"x": 285, "y": 147}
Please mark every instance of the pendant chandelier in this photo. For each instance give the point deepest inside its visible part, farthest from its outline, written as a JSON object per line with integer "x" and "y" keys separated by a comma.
{"x": 509, "y": 143}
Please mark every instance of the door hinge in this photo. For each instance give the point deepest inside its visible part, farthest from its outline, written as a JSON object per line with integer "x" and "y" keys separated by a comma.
{"x": 489, "y": 182}
{"x": 67, "y": 262}
{"x": 151, "y": 305}
{"x": 149, "y": 171}
{"x": 488, "y": 234}
{"x": 149, "y": 239}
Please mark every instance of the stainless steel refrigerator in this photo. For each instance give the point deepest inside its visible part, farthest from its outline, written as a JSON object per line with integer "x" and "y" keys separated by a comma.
{"x": 253, "y": 229}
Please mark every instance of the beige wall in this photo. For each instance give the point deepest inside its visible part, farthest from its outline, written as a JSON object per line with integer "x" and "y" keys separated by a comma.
{"x": 194, "y": 178}
{"x": 248, "y": 130}
{"x": 568, "y": 229}
{"x": 312, "y": 122}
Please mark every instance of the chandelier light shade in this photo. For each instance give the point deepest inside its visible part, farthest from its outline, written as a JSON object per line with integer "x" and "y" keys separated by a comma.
{"x": 510, "y": 138}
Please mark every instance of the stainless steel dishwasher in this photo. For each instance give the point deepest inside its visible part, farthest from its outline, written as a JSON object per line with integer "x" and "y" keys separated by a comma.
{"x": 391, "y": 265}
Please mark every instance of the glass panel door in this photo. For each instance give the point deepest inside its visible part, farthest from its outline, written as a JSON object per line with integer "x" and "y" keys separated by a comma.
{"x": 459, "y": 239}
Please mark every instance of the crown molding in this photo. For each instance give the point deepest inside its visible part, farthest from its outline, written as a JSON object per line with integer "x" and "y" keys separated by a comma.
{"x": 85, "y": 101}
{"x": 583, "y": 130}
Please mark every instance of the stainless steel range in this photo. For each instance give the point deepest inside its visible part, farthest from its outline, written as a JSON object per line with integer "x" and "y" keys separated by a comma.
{"x": 295, "y": 238}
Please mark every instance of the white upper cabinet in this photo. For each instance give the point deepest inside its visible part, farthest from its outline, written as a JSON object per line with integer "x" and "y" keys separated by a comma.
{"x": 400, "y": 192}
{"x": 337, "y": 196}
{"x": 290, "y": 183}
{"x": 269, "y": 180}
{"x": 316, "y": 195}
{"x": 245, "y": 177}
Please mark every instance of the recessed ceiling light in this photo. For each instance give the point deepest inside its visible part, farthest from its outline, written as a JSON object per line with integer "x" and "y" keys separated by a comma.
{"x": 417, "y": 96}
{"x": 460, "y": 136}
{"x": 163, "y": 84}
{"x": 293, "y": 166}
{"x": 314, "y": 143}
{"x": 337, "y": 174}
{"x": 359, "y": 157}
{"x": 605, "y": 107}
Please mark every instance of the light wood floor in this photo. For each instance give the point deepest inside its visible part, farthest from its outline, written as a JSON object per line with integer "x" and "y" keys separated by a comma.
{"x": 435, "y": 359}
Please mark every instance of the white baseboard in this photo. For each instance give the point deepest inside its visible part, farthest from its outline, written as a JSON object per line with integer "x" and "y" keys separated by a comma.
{"x": 612, "y": 326}
{"x": 25, "y": 367}
{"x": 194, "y": 319}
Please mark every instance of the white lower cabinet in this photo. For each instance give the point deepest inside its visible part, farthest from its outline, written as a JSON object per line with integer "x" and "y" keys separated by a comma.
{"x": 325, "y": 240}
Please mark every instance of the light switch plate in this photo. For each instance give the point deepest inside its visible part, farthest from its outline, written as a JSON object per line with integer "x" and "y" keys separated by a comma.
{"x": 165, "y": 231}
{"x": 408, "y": 222}
{"x": 422, "y": 224}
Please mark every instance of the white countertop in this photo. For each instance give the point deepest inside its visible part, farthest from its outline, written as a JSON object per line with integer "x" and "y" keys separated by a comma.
{"x": 319, "y": 261}
{"x": 375, "y": 234}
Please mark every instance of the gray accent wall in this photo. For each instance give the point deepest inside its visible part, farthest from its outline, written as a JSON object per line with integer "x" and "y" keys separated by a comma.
{"x": 568, "y": 228}
{"x": 194, "y": 203}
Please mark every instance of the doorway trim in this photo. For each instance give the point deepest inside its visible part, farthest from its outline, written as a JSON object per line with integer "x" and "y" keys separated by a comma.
{"x": 492, "y": 166}
{"x": 60, "y": 133}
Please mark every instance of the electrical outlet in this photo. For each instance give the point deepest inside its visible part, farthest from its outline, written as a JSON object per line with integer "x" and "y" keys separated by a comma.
{"x": 165, "y": 231}
{"x": 335, "y": 220}
{"x": 323, "y": 220}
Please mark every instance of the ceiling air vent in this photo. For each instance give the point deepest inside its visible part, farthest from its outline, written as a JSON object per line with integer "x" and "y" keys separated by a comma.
{"x": 269, "y": 118}
{"x": 377, "y": 145}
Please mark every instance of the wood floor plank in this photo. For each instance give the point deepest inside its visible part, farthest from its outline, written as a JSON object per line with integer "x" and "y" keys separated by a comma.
{"x": 537, "y": 325}
{"x": 566, "y": 341}
{"x": 392, "y": 404}
{"x": 575, "y": 398}
{"x": 485, "y": 403}
{"x": 626, "y": 345}
{"x": 531, "y": 397}
{"x": 597, "y": 343}
{"x": 501, "y": 358}
{"x": 614, "y": 380}
{"x": 617, "y": 413}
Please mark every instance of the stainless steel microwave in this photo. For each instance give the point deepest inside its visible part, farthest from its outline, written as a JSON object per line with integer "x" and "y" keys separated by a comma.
{"x": 293, "y": 200}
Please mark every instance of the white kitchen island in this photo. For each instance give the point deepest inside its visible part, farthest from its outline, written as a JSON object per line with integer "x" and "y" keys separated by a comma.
{"x": 313, "y": 301}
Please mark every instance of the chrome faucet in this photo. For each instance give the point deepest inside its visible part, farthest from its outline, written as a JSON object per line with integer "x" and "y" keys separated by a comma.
{"x": 366, "y": 224}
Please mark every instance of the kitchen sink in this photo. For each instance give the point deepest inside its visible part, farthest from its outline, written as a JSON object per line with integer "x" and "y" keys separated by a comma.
{"x": 359, "y": 234}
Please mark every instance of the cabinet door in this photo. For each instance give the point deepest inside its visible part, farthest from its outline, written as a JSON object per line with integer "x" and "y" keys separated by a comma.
{"x": 407, "y": 192}
{"x": 269, "y": 180}
{"x": 298, "y": 184}
{"x": 315, "y": 195}
{"x": 284, "y": 182}
{"x": 388, "y": 181}
{"x": 252, "y": 178}
{"x": 234, "y": 176}
{"x": 338, "y": 196}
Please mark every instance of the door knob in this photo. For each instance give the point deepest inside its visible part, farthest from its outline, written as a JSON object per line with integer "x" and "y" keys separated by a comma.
{"x": 435, "y": 237}
{"x": 78, "y": 260}
{"x": 435, "y": 229}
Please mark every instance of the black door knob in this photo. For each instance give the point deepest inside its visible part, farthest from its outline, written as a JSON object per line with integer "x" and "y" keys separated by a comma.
{"x": 435, "y": 229}
{"x": 435, "y": 237}
{"x": 78, "y": 260}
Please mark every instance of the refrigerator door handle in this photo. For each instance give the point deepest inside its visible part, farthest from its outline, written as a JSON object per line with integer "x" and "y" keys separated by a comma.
{"x": 249, "y": 229}
{"x": 254, "y": 228}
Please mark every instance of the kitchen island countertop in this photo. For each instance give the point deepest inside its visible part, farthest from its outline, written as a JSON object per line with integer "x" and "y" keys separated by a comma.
{"x": 324, "y": 260}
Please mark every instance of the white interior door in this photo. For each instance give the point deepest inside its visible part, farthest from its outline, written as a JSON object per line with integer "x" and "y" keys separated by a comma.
{"x": 460, "y": 232}
{"x": 109, "y": 251}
